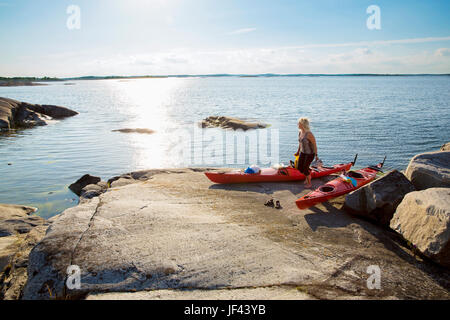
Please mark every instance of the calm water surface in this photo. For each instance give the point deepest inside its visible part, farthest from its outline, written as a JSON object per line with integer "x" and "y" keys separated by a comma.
{"x": 372, "y": 116}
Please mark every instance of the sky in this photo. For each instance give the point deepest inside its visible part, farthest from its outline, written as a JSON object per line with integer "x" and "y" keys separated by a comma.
{"x": 168, "y": 37}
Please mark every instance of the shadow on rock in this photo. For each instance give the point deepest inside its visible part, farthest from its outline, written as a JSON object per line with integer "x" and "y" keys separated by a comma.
{"x": 333, "y": 217}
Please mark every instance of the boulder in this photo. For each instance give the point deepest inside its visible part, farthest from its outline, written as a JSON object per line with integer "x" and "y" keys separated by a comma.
{"x": 429, "y": 170}
{"x": 27, "y": 118}
{"x": 7, "y": 106}
{"x": 16, "y": 114}
{"x": 231, "y": 123}
{"x": 55, "y": 112}
{"x": 446, "y": 147}
{"x": 379, "y": 199}
{"x": 94, "y": 190}
{"x": 84, "y": 181}
{"x": 423, "y": 219}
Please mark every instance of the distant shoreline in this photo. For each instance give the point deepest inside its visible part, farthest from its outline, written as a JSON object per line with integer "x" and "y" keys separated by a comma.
{"x": 19, "y": 84}
{"x": 264, "y": 75}
{"x": 27, "y": 81}
{"x": 32, "y": 81}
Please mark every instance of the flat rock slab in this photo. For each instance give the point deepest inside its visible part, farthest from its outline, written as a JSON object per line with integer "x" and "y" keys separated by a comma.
{"x": 272, "y": 293}
{"x": 177, "y": 231}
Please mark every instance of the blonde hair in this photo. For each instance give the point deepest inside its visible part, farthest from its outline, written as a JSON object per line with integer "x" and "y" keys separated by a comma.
{"x": 305, "y": 123}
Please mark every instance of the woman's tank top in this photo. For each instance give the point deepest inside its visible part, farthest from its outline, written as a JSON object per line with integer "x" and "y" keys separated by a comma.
{"x": 306, "y": 146}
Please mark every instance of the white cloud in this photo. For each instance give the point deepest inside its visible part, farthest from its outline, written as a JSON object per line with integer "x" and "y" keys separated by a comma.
{"x": 363, "y": 51}
{"x": 443, "y": 52}
{"x": 281, "y": 60}
{"x": 373, "y": 43}
{"x": 241, "y": 31}
{"x": 340, "y": 59}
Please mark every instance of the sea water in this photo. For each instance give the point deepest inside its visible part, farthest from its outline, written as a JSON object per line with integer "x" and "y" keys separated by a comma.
{"x": 374, "y": 116}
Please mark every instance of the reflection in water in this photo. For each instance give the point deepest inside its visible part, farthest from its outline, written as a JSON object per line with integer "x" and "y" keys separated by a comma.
{"x": 145, "y": 104}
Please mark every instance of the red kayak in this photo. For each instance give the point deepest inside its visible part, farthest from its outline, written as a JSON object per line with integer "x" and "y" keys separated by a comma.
{"x": 346, "y": 183}
{"x": 274, "y": 175}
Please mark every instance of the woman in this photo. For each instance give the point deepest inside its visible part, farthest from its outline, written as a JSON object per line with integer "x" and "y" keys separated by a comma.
{"x": 307, "y": 149}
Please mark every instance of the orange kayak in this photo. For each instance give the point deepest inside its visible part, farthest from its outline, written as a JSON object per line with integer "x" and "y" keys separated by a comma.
{"x": 274, "y": 175}
{"x": 344, "y": 184}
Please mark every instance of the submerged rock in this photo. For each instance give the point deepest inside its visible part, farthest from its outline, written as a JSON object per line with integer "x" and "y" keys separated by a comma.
{"x": 379, "y": 199}
{"x": 16, "y": 114}
{"x": 84, "y": 181}
{"x": 231, "y": 123}
{"x": 423, "y": 218}
{"x": 139, "y": 130}
{"x": 429, "y": 170}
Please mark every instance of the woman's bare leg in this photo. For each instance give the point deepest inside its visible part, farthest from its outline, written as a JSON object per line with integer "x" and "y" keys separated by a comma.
{"x": 308, "y": 181}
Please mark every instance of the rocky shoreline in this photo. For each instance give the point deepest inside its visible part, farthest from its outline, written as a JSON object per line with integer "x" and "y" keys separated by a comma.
{"x": 16, "y": 114}
{"x": 20, "y": 231}
{"x": 172, "y": 234}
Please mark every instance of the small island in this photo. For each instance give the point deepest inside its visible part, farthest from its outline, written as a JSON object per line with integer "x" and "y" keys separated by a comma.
{"x": 231, "y": 123}
{"x": 16, "y": 114}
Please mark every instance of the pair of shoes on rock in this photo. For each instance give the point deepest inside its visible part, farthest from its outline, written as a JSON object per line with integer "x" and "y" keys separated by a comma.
{"x": 271, "y": 204}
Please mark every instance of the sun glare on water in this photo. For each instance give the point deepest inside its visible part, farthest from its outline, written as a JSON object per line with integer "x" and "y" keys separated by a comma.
{"x": 148, "y": 102}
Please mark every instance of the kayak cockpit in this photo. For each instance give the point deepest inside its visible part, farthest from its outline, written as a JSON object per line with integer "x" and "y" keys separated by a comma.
{"x": 355, "y": 175}
{"x": 327, "y": 189}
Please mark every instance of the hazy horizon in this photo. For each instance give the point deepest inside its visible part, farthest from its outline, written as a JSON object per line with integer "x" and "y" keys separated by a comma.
{"x": 105, "y": 77}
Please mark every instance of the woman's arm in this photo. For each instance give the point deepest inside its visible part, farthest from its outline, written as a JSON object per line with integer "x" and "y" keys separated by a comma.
{"x": 298, "y": 151}
{"x": 313, "y": 140}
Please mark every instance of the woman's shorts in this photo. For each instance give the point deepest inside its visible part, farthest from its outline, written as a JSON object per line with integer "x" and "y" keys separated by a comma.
{"x": 304, "y": 162}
